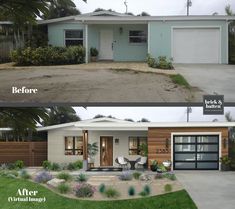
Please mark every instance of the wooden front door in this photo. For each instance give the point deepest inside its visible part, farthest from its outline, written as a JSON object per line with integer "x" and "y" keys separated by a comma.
{"x": 106, "y": 151}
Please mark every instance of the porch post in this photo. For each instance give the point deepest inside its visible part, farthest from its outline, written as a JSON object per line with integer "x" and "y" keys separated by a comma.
{"x": 87, "y": 45}
{"x": 85, "y": 153}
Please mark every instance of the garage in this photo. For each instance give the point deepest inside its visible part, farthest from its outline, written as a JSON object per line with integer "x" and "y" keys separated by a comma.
{"x": 196, "y": 152}
{"x": 196, "y": 45}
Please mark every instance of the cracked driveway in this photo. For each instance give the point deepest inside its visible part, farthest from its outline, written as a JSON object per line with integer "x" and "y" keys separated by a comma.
{"x": 210, "y": 78}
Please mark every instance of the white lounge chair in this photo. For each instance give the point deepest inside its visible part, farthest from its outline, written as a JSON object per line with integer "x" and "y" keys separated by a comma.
{"x": 122, "y": 162}
{"x": 141, "y": 162}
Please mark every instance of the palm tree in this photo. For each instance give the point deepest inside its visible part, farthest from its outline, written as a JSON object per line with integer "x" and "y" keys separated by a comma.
{"x": 22, "y": 120}
{"x": 60, "y": 115}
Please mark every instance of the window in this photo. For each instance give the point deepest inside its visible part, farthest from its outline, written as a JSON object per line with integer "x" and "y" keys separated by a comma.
{"x": 136, "y": 36}
{"x": 134, "y": 144}
{"x": 73, "y": 145}
{"x": 73, "y": 37}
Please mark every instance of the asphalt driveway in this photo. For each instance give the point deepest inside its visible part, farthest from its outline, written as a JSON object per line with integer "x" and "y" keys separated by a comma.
{"x": 212, "y": 79}
{"x": 209, "y": 189}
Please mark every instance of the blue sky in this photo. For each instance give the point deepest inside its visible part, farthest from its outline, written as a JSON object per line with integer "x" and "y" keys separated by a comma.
{"x": 158, "y": 7}
{"x": 154, "y": 114}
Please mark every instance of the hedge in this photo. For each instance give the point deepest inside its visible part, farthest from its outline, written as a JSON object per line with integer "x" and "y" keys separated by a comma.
{"x": 48, "y": 56}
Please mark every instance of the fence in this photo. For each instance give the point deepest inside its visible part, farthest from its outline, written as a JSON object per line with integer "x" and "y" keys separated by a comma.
{"x": 6, "y": 45}
{"x": 32, "y": 153}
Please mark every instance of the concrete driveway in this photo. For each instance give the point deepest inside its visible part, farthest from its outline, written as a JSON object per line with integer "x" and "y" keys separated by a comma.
{"x": 209, "y": 189}
{"x": 212, "y": 79}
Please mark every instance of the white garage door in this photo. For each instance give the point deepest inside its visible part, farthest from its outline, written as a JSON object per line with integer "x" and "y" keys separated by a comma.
{"x": 196, "y": 45}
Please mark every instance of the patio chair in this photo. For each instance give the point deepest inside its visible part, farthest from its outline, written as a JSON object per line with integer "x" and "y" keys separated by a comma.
{"x": 122, "y": 162}
{"x": 141, "y": 162}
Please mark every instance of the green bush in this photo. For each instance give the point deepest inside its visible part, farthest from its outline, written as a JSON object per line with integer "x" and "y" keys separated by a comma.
{"x": 55, "y": 167}
{"x": 84, "y": 190}
{"x": 19, "y": 164}
{"x": 111, "y": 192}
{"x": 161, "y": 62}
{"x": 75, "y": 166}
{"x": 146, "y": 191}
{"x": 170, "y": 176}
{"x": 48, "y": 56}
{"x": 65, "y": 176}
{"x": 102, "y": 188}
{"x": 82, "y": 178}
{"x": 94, "y": 52}
{"x": 136, "y": 175}
{"x": 46, "y": 165}
{"x": 168, "y": 188}
{"x": 131, "y": 191}
{"x": 63, "y": 188}
{"x": 24, "y": 174}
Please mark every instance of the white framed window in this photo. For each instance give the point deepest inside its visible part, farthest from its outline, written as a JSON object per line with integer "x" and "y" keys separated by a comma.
{"x": 137, "y": 36}
{"x": 73, "y": 37}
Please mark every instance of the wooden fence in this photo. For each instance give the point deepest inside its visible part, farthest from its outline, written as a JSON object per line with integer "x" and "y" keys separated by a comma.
{"x": 32, "y": 153}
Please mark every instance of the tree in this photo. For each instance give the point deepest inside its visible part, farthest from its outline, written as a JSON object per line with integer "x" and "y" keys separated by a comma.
{"x": 144, "y": 14}
{"x": 60, "y": 115}
{"x": 101, "y": 9}
{"x": 129, "y": 119}
{"x": 229, "y": 11}
{"x": 103, "y": 116}
{"x": 61, "y": 8}
{"x": 22, "y": 120}
{"x": 144, "y": 120}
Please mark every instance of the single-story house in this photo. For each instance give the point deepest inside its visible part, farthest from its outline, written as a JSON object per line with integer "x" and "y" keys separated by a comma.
{"x": 193, "y": 145}
{"x": 121, "y": 37}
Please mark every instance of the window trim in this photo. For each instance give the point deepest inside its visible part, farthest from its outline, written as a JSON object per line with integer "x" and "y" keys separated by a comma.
{"x": 74, "y": 39}
{"x": 138, "y": 144}
{"x": 143, "y": 36}
{"x": 73, "y": 146}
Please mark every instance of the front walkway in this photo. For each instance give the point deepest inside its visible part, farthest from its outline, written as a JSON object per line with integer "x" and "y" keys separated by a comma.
{"x": 209, "y": 189}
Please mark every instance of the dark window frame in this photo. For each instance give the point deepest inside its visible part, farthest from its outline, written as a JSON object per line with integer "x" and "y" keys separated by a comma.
{"x": 140, "y": 37}
{"x": 138, "y": 138}
{"x": 73, "y": 149}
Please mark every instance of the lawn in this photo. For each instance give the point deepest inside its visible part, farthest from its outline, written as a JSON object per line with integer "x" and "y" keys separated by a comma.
{"x": 9, "y": 187}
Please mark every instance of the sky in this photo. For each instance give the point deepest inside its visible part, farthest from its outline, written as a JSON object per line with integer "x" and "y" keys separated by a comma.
{"x": 158, "y": 7}
{"x": 154, "y": 114}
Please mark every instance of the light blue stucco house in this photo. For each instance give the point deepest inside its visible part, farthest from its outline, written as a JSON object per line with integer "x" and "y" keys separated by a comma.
{"x": 121, "y": 37}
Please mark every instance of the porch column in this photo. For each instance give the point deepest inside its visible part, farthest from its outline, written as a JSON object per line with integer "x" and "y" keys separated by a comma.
{"x": 86, "y": 44}
{"x": 85, "y": 152}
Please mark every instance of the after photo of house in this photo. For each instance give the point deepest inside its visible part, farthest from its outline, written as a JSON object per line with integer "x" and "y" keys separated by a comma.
{"x": 121, "y": 54}
{"x": 119, "y": 156}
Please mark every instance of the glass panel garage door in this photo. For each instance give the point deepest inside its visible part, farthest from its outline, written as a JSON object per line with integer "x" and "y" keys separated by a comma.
{"x": 196, "y": 152}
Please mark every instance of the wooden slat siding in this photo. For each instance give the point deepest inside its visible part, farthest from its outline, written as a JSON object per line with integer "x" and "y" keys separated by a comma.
{"x": 32, "y": 153}
{"x": 157, "y": 140}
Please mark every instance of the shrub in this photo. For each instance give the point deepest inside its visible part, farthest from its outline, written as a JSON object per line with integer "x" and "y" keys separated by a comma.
{"x": 82, "y": 178}
{"x": 10, "y": 174}
{"x": 161, "y": 63}
{"x": 111, "y": 192}
{"x": 159, "y": 176}
{"x": 102, "y": 188}
{"x": 136, "y": 175}
{"x": 84, "y": 190}
{"x": 146, "y": 191}
{"x": 48, "y": 55}
{"x": 65, "y": 176}
{"x": 46, "y": 164}
{"x": 11, "y": 166}
{"x": 75, "y": 166}
{"x": 170, "y": 176}
{"x": 24, "y": 174}
{"x": 131, "y": 191}
{"x": 162, "y": 168}
{"x": 19, "y": 164}
{"x": 43, "y": 177}
{"x": 63, "y": 188}
{"x": 3, "y": 166}
{"x": 126, "y": 176}
{"x": 168, "y": 188}
{"x": 94, "y": 52}
{"x": 55, "y": 167}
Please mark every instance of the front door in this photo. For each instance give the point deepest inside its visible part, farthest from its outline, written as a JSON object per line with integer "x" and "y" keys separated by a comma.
{"x": 106, "y": 45}
{"x": 106, "y": 151}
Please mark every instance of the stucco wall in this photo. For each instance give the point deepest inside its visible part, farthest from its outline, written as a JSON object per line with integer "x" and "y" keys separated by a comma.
{"x": 56, "y": 144}
{"x": 160, "y": 36}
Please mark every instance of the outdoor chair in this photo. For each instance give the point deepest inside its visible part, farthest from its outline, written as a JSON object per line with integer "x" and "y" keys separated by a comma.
{"x": 122, "y": 162}
{"x": 141, "y": 162}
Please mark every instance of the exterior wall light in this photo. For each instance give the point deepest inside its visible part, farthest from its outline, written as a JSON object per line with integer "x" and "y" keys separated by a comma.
{"x": 121, "y": 30}
{"x": 116, "y": 141}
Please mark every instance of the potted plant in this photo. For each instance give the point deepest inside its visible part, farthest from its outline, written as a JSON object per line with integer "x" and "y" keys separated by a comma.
{"x": 94, "y": 54}
{"x": 167, "y": 164}
{"x": 153, "y": 165}
{"x": 92, "y": 150}
{"x": 225, "y": 163}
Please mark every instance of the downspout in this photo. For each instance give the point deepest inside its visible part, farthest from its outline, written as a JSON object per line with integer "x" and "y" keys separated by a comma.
{"x": 86, "y": 44}
{"x": 227, "y": 40}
